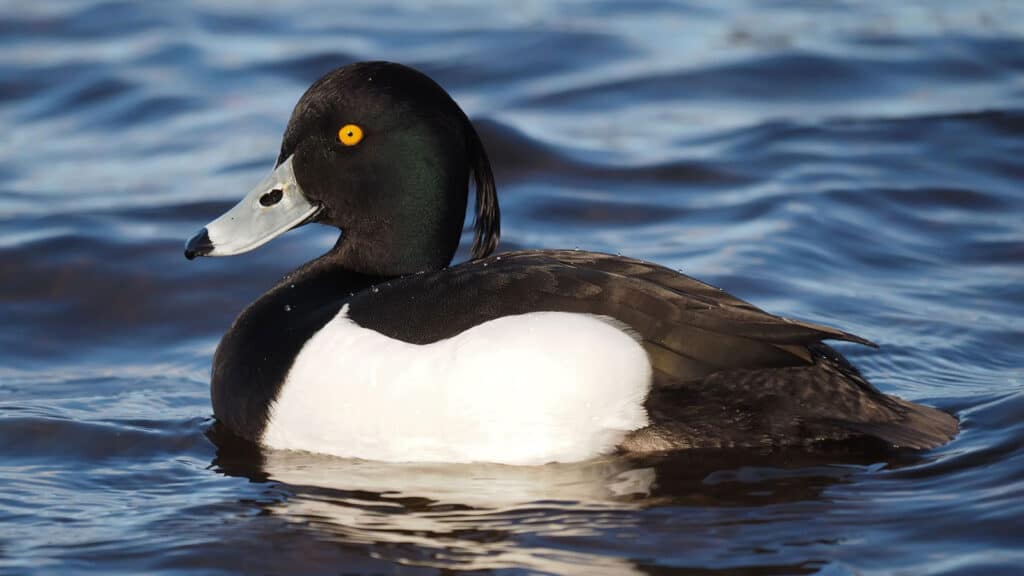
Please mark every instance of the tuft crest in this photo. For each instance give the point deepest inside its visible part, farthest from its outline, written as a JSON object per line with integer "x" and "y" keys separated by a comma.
{"x": 487, "y": 221}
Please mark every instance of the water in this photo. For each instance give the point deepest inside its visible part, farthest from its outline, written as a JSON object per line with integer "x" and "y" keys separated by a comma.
{"x": 860, "y": 166}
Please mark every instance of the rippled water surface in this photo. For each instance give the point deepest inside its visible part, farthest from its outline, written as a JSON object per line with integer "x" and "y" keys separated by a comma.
{"x": 861, "y": 166}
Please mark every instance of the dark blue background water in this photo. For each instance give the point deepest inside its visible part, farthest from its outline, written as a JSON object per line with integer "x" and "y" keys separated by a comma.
{"x": 855, "y": 165}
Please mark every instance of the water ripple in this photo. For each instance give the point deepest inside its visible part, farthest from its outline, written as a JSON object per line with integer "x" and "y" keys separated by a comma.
{"x": 853, "y": 164}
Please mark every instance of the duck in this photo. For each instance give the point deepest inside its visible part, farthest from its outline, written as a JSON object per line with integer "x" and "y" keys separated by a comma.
{"x": 381, "y": 349}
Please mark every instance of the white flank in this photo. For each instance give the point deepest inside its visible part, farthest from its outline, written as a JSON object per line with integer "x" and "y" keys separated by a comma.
{"x": 529, "y": 389}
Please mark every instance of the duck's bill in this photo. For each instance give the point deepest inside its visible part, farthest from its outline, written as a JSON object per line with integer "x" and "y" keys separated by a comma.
{"x": 272, "y": 208}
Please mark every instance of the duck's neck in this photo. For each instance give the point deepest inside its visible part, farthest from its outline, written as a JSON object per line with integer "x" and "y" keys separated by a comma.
{"x": 375, "y": 249}
{"x": 326, "y": 279}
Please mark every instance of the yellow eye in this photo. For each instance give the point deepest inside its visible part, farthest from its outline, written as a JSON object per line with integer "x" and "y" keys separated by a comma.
{"x": 350, "y": 134}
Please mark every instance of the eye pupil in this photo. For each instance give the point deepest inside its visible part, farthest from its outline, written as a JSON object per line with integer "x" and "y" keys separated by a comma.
{"x": 272, "y": 197}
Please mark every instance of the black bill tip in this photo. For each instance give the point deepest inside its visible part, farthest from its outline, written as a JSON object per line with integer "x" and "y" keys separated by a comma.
{"x": 199, "y": 245}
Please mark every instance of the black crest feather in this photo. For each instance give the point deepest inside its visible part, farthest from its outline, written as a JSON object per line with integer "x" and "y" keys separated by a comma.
{"x": 487, "y": 221}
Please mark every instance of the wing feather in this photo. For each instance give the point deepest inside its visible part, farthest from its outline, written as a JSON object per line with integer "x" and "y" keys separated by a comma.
{"x": 690, "y": 329}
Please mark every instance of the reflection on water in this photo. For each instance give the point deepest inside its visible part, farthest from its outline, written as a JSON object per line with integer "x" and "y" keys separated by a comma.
{"x": 469, "y": 516}
{"x": 488, "y": 516}
{"x": 855, "y": 164}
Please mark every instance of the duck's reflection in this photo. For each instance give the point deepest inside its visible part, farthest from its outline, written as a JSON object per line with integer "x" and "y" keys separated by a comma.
{"x": 559, "y": 518}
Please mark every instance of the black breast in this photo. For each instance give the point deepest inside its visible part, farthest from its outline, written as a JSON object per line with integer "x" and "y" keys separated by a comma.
{"x": 255, "y": 354}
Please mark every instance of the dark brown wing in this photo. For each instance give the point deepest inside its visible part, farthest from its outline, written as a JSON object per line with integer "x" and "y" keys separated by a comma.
{"x": 690, "y": 329}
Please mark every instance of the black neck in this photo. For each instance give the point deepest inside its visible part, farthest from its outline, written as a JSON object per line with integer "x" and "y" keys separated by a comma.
{"x": 361, "y": 255}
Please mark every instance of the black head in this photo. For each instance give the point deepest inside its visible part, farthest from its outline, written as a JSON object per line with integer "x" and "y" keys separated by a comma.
{"x": 382, "y": 152}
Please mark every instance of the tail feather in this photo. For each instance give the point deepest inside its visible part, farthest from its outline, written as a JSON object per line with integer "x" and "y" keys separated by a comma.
{"x": 919, "y": 427}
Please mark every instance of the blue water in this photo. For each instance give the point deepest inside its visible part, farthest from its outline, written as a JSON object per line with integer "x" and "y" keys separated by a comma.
{"x": 856, "y": 165}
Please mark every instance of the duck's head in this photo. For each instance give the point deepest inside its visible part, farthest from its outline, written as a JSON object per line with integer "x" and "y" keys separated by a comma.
{"x": 382, "y": 152}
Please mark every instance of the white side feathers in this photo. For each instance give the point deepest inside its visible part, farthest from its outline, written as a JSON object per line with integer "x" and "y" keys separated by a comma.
{"x": 528, "y": 389}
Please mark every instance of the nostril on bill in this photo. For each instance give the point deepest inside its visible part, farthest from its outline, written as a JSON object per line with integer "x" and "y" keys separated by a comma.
{"x": 271, "y": 198}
